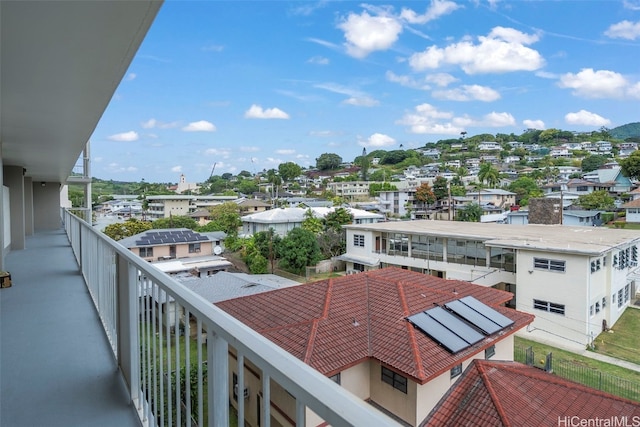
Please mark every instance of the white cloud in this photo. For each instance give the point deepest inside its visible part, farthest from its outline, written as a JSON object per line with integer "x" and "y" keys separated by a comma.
{"x": 200, "y": 126}
{"x": 631, "y": 4}
{"x": 624, "y": 30}
{"x": 285, "y": 151}
{"x": 378, "y": 140}
{"x": 365, "y": 33}
{"x": 249, "y": 149}
{"x": 125, "y": 136}
{"x": 503, "y": 50}
{"x": 131, "y": 76}
{"x": 534, "y": 124}
{"x": 426, "y": 119}
{"x": 406, "y": 81}
{"x": 318, "y": 60}
{"x": 176, "y": 169}
{"x": 586, "y": 118}
{"x": 595, "y": 84}
{"x": 224, "y": 153}
{"x": 257, "y": 112}
{"x": 468, "y": 93}
{"x": 361, "y": 101}
{"x": 324, "y": 43}
{"x": 494, "y": 119}
{"x": 440, "y": 79}
{"x": 117, "y": 168}
{"x": 355, "y": 97}
{"x": 437, "y": 9}
{"x": 153, "y": 123}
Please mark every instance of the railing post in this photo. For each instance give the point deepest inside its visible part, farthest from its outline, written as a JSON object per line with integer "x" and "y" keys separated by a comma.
{"x": 218, "y": 377}
{"x": 127, "y": 326}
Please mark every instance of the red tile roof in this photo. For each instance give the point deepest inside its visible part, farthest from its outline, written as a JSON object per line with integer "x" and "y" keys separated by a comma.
{"x": 337, "y": 323}
{"x": 512, "y": 394}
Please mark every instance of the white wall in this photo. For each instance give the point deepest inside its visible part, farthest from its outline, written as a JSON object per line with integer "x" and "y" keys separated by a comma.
{"x": 6, "y": 219}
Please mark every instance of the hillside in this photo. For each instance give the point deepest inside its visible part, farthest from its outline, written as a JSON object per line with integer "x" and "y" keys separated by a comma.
{"x": 630, "y": 130}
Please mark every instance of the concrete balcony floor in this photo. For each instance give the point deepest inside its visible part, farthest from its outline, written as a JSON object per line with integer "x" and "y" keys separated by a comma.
{"x": 56, "y": 365}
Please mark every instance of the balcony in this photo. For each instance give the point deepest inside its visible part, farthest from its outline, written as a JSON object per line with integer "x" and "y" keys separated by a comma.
{"x": 93, "y": 335}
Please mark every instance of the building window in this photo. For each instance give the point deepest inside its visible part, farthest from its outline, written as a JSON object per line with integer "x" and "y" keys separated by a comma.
{"x": 626, "y": 293}
{"x": 490, "y": 352}
{"x": 396, "y": 380}
{"x": 335, "y": 378}
{"x": 358, "y": 240}
{"x": 591, "y": 311}
{"x": 194, "y": 248}
{"x": 146, "y": 252}
{"x": 620, "y": 300}
{"x": 598, "y": 307}
{"x": 548, "y": 306}
{"x": 595, "y": 265}
{"x": 549, "y": 264}
{"x": 604, "y": 302}
{"x": 456, "y": 370}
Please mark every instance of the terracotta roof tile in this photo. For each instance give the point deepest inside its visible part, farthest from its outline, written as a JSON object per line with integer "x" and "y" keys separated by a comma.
{"x": 337, "y": 323}
{"x": 492, "y": 393}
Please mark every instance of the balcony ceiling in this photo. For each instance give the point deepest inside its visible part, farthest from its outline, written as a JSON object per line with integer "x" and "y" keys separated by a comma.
{"x": 60, "y": 64}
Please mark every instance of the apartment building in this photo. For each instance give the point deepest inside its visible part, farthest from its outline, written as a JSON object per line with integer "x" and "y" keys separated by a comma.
{"x": 164, "y": 206}
{"x": 576, "y": 280}
{"x": 349, "y": 189}
{"x": 365, "y": 333}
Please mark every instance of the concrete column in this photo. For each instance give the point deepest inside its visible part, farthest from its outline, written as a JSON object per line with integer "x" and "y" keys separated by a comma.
{"x": 28, "y": 206}
{"x": 14, "y": 179}
{"x": 46, "y": 206}
{"x": 2, "y": 216}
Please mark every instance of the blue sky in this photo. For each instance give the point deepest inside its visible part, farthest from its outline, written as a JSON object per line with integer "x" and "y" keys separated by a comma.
{"x": 248, "y": 85}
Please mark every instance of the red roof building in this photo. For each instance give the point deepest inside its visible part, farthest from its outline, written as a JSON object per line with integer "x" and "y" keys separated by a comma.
{"x": 340, "y": 323}
{"x": 502, "y": 393}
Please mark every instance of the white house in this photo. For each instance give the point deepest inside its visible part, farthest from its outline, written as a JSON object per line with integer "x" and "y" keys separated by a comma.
{"x": 574, "y": 279}
{"x": 632, "y": 207}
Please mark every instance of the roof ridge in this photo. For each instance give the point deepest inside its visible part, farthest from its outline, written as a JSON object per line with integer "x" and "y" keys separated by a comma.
{"x": 316, "y": 322}
{"x": 480, "y": 366}
{"x": 411, "y": 331}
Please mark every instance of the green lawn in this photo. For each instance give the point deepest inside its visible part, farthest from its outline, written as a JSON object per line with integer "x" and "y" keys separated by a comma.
{"x": 584, "y": 370}
{"x": 623, "y": 342}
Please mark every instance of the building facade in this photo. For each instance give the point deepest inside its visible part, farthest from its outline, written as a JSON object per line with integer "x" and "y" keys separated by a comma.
{"x": 575, "y": 280}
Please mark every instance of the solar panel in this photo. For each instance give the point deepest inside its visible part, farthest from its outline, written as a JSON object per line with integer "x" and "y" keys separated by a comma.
{"x": 484, "y": 324}
{"x": 455, "y": 325}
{"x": 438, "y": 332}
{"x": 487, "y": 311}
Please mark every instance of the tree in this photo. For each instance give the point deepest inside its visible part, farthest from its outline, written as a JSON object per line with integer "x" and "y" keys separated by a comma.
{"x": 630, "y": 166}
{"x": 469, "y": 213}
{"x": 299, "y": 249}
{"x": 424, "y": 194}
{"x": 597, "y": 200}
{"x": 525, "y": 188}
{"x": 129, "y": 228}
{"x": 337, "y": 218}
{"x": 328, "y": 161}
{"x": 594, "y": 162}
{"x": 363, "y": 162}
{"x": 376, "y": 187}
{"x": 175, "y": 221}
{"x": 488, "y": 174}
{"x": 332, "y": 243}
{"x": 289, "y": 171}
{"x": 224, "y": 217}
{"x": 312, "y": 223}
{"x": 441, "y": 188}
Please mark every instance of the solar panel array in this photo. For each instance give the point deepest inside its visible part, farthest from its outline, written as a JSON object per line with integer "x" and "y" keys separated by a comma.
{"x": 152, "y": 238}
{"x": 463, "y": 323}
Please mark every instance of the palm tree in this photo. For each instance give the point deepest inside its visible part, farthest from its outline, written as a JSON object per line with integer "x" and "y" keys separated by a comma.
{"x": 488, "y": 174}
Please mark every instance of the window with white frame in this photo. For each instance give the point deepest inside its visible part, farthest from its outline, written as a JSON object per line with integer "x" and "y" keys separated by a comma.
{"x": 604, "y": 302}
{"x": 548, "y": 306}
{"x": 597, "y": 307}
{"x": 335, "y": 378}
{"x": 490, "y": 352}
{"x": 626, "y": 292}
{"x": 549, "y": 264}
{"x": 620, "y": 300}
{"x": 194, "y": 248}
{"x": 358, "y": 240}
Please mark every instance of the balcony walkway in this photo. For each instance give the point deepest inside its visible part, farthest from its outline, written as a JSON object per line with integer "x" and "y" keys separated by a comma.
{"x": 56, "y": 365}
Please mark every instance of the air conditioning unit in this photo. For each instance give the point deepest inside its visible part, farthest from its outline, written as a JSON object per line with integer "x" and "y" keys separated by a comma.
{"x": 246, "y": 391}
{"x": 349, "y": 272}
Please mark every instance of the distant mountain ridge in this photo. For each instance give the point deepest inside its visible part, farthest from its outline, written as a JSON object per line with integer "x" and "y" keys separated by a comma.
{"x": 630, "y": 130}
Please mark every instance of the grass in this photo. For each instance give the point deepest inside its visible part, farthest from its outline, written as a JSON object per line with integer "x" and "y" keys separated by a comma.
{"x": 622, "y": 342}
{"x": 586, "y": 370}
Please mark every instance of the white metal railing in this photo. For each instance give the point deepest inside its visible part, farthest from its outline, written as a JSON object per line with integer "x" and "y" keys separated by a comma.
{"x": 173, "y": 347}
